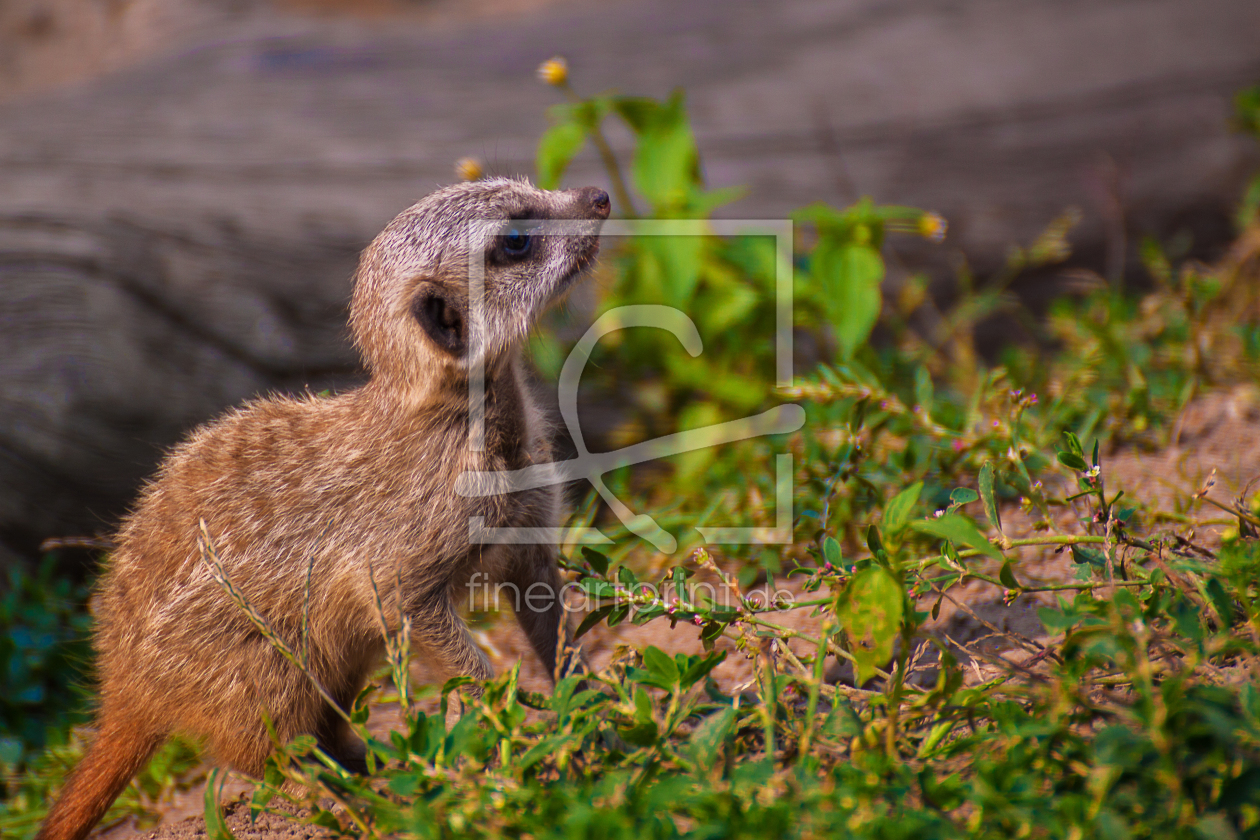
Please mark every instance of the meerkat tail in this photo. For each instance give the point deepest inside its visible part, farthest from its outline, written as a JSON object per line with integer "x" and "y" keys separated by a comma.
{"x": 116, "y": 755}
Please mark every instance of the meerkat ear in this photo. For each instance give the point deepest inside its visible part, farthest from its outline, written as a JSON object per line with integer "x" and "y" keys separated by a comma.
{"x": 443, "y": 317}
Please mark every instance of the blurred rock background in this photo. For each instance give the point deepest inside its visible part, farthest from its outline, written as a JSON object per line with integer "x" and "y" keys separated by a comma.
{"x": 186, "y": 183}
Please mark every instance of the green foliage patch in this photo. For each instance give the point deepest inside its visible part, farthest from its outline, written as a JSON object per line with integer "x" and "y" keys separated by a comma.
{"x": 43, "y": 652}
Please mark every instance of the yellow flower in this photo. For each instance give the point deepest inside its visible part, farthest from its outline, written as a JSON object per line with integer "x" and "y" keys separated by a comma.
{"x": 932, "y": 226}
{"x": 468, "y": 169}
{"x": 554, "y": 71}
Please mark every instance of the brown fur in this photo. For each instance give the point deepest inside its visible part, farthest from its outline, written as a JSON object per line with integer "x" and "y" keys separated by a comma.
{"x": 350, "y": 483}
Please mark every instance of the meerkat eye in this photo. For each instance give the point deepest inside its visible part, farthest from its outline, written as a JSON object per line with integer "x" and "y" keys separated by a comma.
{"x": 517, "y": 241}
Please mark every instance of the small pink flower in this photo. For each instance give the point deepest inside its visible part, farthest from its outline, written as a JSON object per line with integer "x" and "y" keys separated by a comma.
{"x": 958, "y": 445}
{"x": 697, "y": 621}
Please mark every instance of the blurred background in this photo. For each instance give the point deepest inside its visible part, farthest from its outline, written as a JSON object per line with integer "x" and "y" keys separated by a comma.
{"x": 186, "y": 183}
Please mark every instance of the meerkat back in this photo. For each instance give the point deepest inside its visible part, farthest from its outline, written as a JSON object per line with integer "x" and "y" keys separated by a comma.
{"x": 310, "y": 501}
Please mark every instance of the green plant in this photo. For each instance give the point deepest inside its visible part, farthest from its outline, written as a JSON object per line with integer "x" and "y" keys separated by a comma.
{"x": 43, "y": 656}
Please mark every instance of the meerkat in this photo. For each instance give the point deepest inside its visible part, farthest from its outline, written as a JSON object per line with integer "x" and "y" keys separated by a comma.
{"x": 347, "y": 489}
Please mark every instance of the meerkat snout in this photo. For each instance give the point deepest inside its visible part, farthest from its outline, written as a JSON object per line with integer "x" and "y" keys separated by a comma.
{"x": 320, "y": 505}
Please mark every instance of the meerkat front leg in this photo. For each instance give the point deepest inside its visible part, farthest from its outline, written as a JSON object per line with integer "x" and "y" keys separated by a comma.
{"x": 437, "y": 628}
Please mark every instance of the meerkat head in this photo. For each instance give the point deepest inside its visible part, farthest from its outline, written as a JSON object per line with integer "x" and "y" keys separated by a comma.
{"x": 460, "y": 277}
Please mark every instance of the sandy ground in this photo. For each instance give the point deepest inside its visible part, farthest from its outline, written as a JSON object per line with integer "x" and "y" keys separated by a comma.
{"x": 1217, "y": 432}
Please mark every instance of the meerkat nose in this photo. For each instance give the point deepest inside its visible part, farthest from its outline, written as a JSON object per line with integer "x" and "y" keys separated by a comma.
{"x": 598, "y": 201}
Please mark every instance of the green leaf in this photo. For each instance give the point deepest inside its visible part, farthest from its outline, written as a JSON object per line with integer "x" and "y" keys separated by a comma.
{"x": 1221, "y": 601}
{"x": 661, "y": 666}
{"x": 719, "y": 310}
{"x": 707, "y": 738}
{"x": 679, "y": 258}
{"x": 644, "y": 731}
{"x": 822, "y": 215}
{"x": 831, "y": 551}
{"x": 1074, "y": 444}
{"x": 598, "y": 587}
{"x": 709, "y": 634}
{"x": 701, "y": 668}
{"x": 1008, "y": 577}
{"x": 1056, "y": 621}
{"x": 963, "y": 495}
{"x": 637, "y": 111}
{"x": 273, "y": 778}
{"x": 643, "y": 615}
{"x": 325, "y": 819}
{"x": 665, "y": 164}
{"x": 591, "y": 620}
{"x": 897, "y": 511}
{"x": 1089, "y": 554}
{"x": 873, "y": 540}
{"x": 598, "y": 561}
{"x": 216, "y": 826}
{"x": 556, "y": 149}
{"x": 1073, "y": 461}
{"x": 843, "y": 721}
{"x": 618, "y": 615}
{"x": 640, "y": 735}
{"x": 704, "y": 202}
{"x": 642, "y": 706}
{"x": 958, "y": 530}
{"x": 948, "y": 793}
{"x": 359, "y": 709}
{"x": 923, "y": 391}
{"x": 990, "y": 500}
{"x": 870, "y": 609}
{"x": 848, "y": 276}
